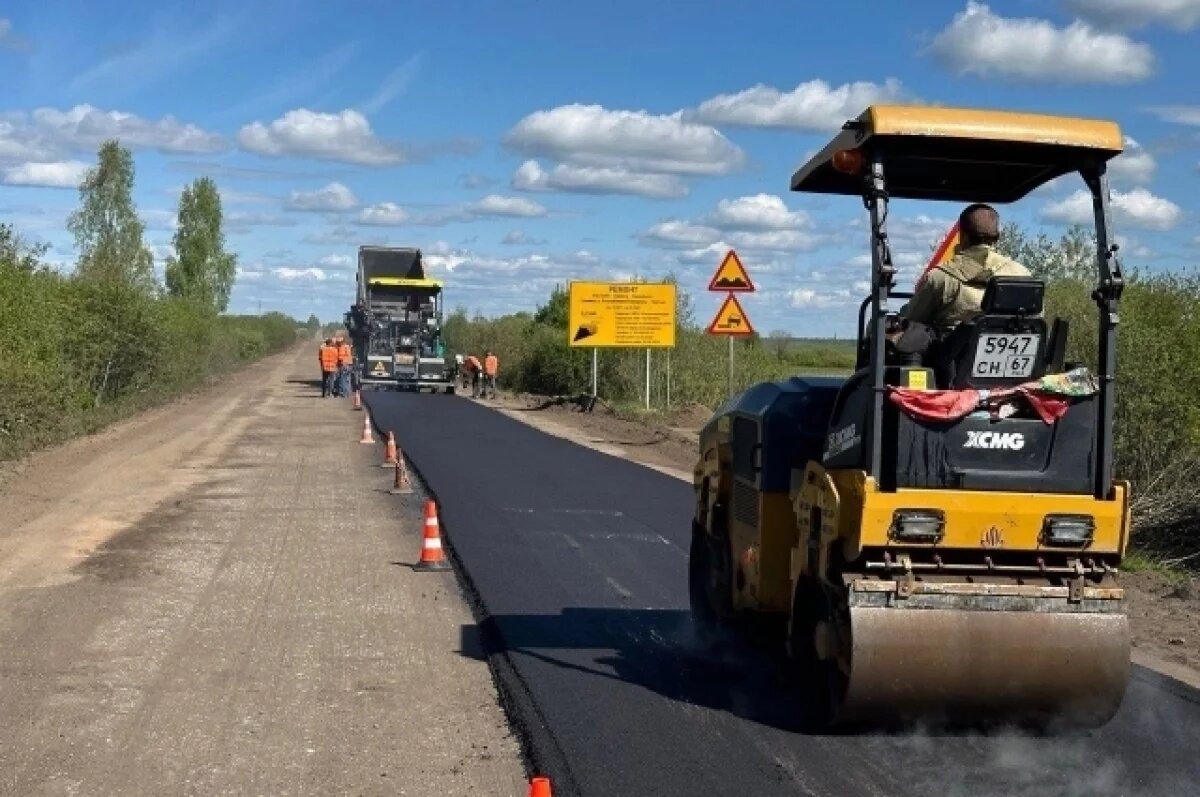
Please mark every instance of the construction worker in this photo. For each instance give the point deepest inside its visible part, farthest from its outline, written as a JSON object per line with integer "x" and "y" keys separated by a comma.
{"x": 475, "y": 369}
{"x": 953, "y": 292}
{"x": 329, "y": 361}
{"x": 491, "y": 366}
{"x": 345, "y": 365}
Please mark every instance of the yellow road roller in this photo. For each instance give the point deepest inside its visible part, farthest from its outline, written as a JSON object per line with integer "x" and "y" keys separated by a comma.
{"x": 938, "y": 535}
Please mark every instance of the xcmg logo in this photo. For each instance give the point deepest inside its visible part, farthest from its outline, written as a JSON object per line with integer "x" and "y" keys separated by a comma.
{"x": 1013, "y": 441}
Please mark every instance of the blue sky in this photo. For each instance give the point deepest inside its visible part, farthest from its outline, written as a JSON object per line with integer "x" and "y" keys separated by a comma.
{"x": 523, "y": 144}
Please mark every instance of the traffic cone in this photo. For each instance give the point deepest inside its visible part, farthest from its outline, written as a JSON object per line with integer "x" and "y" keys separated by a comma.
{"x": 389, "y": 454}
{"x": 540, "y": 787}
{"x": 366, "y": 438}
{"x": 402, "y": 485}
{"x": 432, "y": 557}
{"x": 358, "y": 399}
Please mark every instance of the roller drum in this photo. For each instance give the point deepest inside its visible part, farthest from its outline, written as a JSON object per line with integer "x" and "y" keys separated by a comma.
{"x": 1029, "y": 664}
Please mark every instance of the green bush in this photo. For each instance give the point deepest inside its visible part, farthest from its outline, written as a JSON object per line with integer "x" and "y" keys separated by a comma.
{"x": 81, "y": 353}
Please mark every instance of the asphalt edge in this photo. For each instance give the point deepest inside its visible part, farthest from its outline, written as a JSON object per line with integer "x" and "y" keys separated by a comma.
{"x": 539, "y": 749}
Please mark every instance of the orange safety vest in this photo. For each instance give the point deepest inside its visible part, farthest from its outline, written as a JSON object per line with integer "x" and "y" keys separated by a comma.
{"x": 345, "y": 355}
{"x": 473, "y": 363}
{"x": 491, "y": 365}
{"x": 329, "y": 359}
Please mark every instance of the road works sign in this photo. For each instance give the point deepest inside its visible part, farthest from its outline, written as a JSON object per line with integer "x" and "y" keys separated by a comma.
{"x": 731, "y": 276}
{"x": 942, "y": 254}
{"x": 616, "y": 314}
{"x": 730, "y": 319}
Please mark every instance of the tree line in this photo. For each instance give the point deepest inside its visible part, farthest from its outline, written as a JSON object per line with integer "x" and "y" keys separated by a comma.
{"x": 84, "y": 348}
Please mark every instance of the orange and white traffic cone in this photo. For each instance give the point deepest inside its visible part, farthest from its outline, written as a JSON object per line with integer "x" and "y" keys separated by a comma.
{"x": 366, "y": 438}
{"x": 401, "y": 485}
{"x": 540, "y": 787}
{"x": 432, "y": 556}
{"x": 358, "y": 399}
{"x": 389, "y": 454}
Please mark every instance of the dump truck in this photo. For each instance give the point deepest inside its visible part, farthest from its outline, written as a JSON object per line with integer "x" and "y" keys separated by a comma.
{"x": 395, "y": 324}
{"x": 938, "y": 536}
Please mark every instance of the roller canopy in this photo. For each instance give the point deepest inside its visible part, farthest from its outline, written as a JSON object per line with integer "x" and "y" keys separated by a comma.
{"x": 958, "y": 154}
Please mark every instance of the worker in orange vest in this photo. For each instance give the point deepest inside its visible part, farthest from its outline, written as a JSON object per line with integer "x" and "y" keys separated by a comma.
{"x": 345, "y": 364}
{"x": 329, "y": 362}
{"x": 491, "y": 367}
{"x": 475, "y": 369}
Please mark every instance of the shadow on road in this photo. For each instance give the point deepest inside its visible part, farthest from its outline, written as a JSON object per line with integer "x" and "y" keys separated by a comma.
{"x": 656, "y": 649}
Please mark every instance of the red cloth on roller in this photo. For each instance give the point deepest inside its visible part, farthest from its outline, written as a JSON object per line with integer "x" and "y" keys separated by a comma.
{"x": 1048, "y": 407}
{"x": 949, "y": 405}
{"x": 935, "y": 405}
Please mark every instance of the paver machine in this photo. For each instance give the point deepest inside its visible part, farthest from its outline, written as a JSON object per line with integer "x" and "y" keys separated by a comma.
{"x": 937, "y": 536}
{"x": 396, "y": 323}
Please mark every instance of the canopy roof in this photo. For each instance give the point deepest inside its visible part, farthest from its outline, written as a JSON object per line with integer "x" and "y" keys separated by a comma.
{"x": 961, "y": 154}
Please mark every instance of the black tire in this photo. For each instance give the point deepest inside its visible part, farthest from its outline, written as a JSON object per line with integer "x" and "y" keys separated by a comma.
{"x": 709, "y": 585}
{"x": 820, "y": 682}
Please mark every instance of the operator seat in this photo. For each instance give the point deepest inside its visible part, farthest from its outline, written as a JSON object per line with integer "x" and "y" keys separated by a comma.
{"x": 1004, "y": 345}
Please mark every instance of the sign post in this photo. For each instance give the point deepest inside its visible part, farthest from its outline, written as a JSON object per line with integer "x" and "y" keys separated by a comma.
{"x": 730, "y": 278}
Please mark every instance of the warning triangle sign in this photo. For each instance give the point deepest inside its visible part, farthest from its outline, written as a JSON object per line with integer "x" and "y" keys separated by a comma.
{"x": 731, "y": 276}
{"x": 730, "y": 319}
{"x": 944, "y": 252}
{"x": 379, "y": 368}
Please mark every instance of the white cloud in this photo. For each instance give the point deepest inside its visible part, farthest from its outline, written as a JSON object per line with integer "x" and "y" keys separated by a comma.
{"x": 807, "y": 298}
{"x": 395, "y": 84}
{"x": 10, "y": 40}
{"x": 244, "y": 222}
{"x": 333, "y": 198}
{"x": 496, "y": 205}
{"x": 383, "y": 214}
{"x": 1179, "y": 114}
{"x": 249, "y": 274}
{"x": 159, "y": 219}
{"x": 48, "y": 134}
{"x": 1135, "y": 165}
{"x": 287, "y": 274}
{"x": 345, "y": 137}
{"x": 777, "y": 241}
{"x": 1136, "y": 208}
{"x": 519, "y": 238}
{"x": 812, "y": 106}
{"x": 337, "y": 262}
{"x": 759, "y": 223}
{"x": 757, "y": 212}
{"x": 981, "y": 43}
{"x": 565, "y": 177}
{"x": 61, "y": 174}
{"x": 1178, "y": 14}
{"x": 638, "y": 141}
{"x": 675, "y": 233}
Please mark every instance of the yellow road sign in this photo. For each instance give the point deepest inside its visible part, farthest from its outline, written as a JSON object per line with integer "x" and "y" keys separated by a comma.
{"x": 730, "y": 319}
{"x": 614, "y": 314}
{"x": 379, "y": 368}
{"x": 731, "y": 276}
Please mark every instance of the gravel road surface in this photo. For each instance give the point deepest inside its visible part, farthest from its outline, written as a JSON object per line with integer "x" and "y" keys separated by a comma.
{"x": 215, "y": 599}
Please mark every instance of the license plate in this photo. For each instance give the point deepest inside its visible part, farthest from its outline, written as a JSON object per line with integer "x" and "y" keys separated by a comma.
{"x": 998, "y": 356}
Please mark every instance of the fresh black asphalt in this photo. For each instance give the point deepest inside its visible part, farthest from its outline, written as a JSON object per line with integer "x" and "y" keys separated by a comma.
{"x": 578, "y": 563}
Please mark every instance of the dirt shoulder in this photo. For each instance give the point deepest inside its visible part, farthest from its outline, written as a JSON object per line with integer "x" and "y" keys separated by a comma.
{"x": 215, "y": 598}
{"x": 1164, "y": 609}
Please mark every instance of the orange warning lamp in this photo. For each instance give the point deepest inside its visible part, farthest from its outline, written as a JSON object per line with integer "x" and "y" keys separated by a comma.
{"x": 849, "y": 161}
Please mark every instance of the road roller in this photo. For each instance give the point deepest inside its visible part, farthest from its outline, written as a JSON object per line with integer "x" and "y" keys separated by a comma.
{"x": 937, "y": 536}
